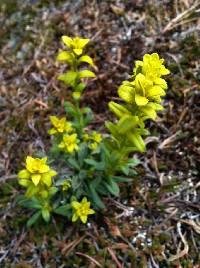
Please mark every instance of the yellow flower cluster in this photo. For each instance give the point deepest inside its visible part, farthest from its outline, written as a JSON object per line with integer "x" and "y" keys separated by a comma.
{"x": 64, "y": 128}
{"x": 94, "y": 139}
{"x": 75, "y": 48}
{"x": 142, "y": 98}
{"x": 69, "y": 143}
{"x": 81, "y": 210}
{"x": 66, "y": 185}
{"x": 74, "y": 57}
{"x": 76, "y": 44}
{"x": 37, "y": 176}
{"x": 59, "y": 126}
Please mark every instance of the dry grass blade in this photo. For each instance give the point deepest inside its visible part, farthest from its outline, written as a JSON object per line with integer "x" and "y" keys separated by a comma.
{"x": 183, "y": 252}
{"x": 195, "y": 226}
{"x": 90, "y": 258}
{"x": 181, "y": 17}
{"x": 168, "y": 141}
{"x": 112, "y": 253}
{"x": 69, "y": 247}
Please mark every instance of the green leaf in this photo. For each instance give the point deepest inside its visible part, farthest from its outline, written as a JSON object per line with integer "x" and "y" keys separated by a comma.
{"x": 65, "y": 56}
{"x": 46, "y": 214}
{"x": 122, "y": 179}
{"x": 86, "y": 59}
{"x": 73, "y": 163}
{"x": 95, "y": 197}
{"x": 69, "y": 108}
{"x": 86, "y": 74}
{"x": 97, "y": 165}
{"x": 82, "y": 153}
{"x": 68, "y": 78}
{"x": 63, "y": 210}
{"x": 53, "y": 190}
{"x": 133, "y": 162}
{"x": 80, "y": 87}
{"x": 112, "y": 128}
{"x": 137, "y": 140}
{"x": 125, "y": 169}
{"x": 112, "y": 187}
{"x": 33, "y": 219}
{"x": 96, "y": 182}
{"x": 126, "y": 123}
{"x": 76, "y": 183}
{"x": 30, "y": 203}
{"x": 118, "y": 109}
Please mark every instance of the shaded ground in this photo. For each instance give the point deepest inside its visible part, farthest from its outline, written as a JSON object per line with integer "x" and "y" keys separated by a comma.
{"x": 156, "y": 221}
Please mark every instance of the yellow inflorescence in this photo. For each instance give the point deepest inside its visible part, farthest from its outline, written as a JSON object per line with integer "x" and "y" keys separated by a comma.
{"x": 151, "y": 66}
{"x": 145, "y": 91}
{"x": 94, "y": 139}
{"x": 59, "y": 126}
{"x": 69, "y": 143}
{"x": 37, "y": 171}
{"x": 76, "y": 44}
{"x": 142, "y": 97}
{"x": 81, "y": 210}
{"x": 66, "y": 185}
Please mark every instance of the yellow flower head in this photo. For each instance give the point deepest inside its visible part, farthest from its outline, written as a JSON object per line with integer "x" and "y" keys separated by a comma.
{"x": 75, "y": 44}
{"x": 94, "y": 138}
{"x": 36, "y": 171}
{"x": 93, "y": 146}
{"x": 81, "y": 210}
{"x": 59, "y": 125}
{"x": 66, "y": 185}
{"x": 86, "y": 137}
{"x": 69, "y": 143}
{"x": 146, "y": 91}
{"x": 141, "y": 91}
{"x": 152, "y": 67}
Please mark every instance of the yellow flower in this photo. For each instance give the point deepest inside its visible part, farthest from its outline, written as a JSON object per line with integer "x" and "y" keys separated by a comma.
{"x": 141, "y": 91}
{"x": 145, "y": 91}
{"x": 86, "y": 137}
{"x": 152, "y": 67}
{"x": 95, "y": 138}
{"x": 144, "y": 95}
{"x": 69, "y": 143}
{"x": 81, "y": 210}
{"x": 37, "y": 171}
{"x": 59, "y": 125}
{"x": 66, "y": 185}
{"x": 75, "y": 44}
{"x": 93, "y": 146}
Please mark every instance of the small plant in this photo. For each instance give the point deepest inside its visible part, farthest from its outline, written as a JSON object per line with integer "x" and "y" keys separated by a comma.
{"x": 89, "y": 165}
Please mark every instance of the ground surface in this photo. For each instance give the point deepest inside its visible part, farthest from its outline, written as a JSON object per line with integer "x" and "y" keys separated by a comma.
{"x": 155, "y": 223}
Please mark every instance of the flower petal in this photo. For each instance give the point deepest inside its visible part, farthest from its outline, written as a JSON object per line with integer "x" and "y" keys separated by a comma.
{"x": 75, "y": 204}
{"x": 78, "y": 51}
{"x": 74, "y": 217}
{"x": 24, "y": 174}
{"x": 44, "y": 168}
{"x": 30, "y": 161}
{"x": 36, "y": 178}
{"x": 67, "y": 40}
{"x": 140, "y": 100}
{"x": 83, "y": 218}
{"x": 46, "y": 178}
{"x": 91, "y": 211}
{"x": 24, "y": 182}
{"x": 54, "y": 120}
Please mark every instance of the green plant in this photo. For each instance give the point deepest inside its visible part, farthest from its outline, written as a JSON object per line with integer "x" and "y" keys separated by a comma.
{"x": 90, "y": 165}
